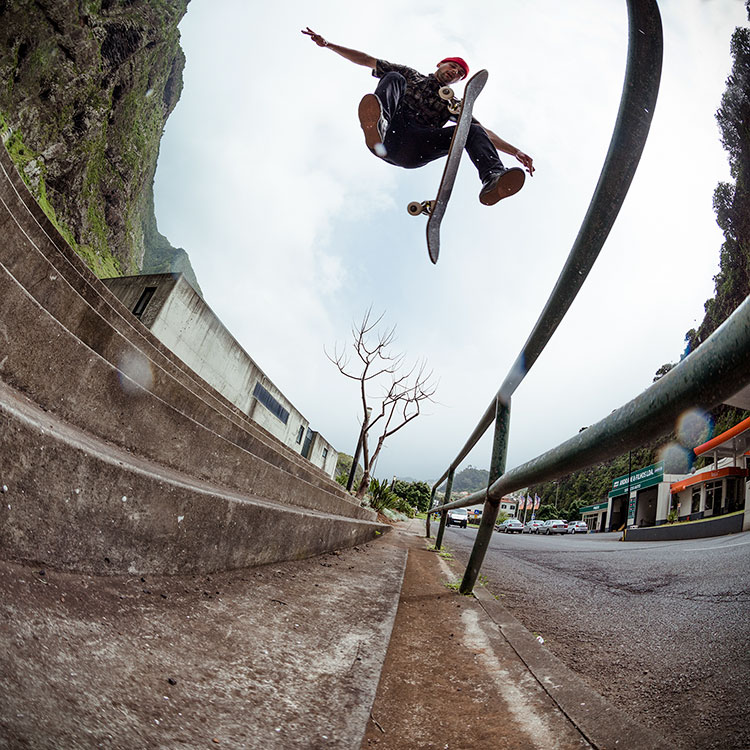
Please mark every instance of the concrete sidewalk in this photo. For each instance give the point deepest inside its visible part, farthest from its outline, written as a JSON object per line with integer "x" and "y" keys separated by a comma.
{"x": 461, "y": 672}
{"x": 285, "y": 656}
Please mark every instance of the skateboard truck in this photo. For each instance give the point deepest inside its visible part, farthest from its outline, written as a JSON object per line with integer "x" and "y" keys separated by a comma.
{"x": 415, "y": 208}
{"x": 447, "y": 95}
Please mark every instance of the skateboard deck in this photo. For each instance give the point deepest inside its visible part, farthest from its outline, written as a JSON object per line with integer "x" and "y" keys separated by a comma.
{"x": 436, "y": 209}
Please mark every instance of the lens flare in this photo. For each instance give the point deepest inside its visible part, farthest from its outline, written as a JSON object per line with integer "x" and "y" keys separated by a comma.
{"x": 677, "y": 459}
{"x": 134, "y": 373}
{"x": 693, "y": 428}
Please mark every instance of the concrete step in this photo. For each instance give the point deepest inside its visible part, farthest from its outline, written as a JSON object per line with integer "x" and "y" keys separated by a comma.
{"x": 46, "y": 267}
{"x": 74, "y": 502}
{"x": 285, "y": 656}
{"x": 114, "y": 456}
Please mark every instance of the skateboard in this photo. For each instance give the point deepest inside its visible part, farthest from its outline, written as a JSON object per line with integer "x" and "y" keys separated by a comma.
{"x": 435, "y": 209}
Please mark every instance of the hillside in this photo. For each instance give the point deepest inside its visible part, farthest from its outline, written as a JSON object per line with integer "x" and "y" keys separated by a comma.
{"x": 87, "y": 91}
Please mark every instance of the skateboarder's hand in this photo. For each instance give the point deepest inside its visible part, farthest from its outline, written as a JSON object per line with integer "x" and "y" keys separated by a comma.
{"x": 527, "y": 161}
{"x": 317, "y": 38}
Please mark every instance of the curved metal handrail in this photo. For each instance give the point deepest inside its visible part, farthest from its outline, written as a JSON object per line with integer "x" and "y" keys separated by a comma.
{"x": 640, "y": 89}
{"x": 707, "y": 377}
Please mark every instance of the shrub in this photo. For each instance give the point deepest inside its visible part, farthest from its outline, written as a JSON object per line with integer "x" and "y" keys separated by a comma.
{"x": 380, "y": 495}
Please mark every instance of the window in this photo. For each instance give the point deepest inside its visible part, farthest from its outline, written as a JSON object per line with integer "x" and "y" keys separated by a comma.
{"x": 270, "y": 403}
{"x": 696, "y": 506}
{"x": 732, "y": 495}
{"x": 301, "y": 433}
{"x": 325, "y": 453}
{"x": 143, "y": 300}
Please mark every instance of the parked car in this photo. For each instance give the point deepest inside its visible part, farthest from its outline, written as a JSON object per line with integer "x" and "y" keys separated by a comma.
{"x": 510, "y": 526}
{"x": 554, "y": 526}
{"x": 577, "y": 527}
{"x": 458, "y": 516}
{"x": 532, "y": 527}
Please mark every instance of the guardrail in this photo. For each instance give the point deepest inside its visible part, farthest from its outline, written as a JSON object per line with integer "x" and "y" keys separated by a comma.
{"x": 642, "y": 76}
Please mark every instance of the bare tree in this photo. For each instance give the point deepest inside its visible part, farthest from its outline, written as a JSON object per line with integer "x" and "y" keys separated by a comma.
{"x": 394, "y": 391}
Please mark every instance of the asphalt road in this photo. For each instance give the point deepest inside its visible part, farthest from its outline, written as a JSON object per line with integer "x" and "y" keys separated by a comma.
{"x": 661, "y": 629}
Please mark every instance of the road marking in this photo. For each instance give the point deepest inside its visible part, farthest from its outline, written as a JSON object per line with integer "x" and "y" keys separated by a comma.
{"x": 733, "y": 543}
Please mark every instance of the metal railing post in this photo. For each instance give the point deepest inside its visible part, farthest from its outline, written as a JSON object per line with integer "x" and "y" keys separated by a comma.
{"x": 444, "y": 515}
{"x": 489, "y": 513}
{"x": 429, "y": 515}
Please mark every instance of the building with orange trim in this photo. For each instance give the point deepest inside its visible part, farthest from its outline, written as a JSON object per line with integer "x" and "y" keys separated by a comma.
{"x": 722, "y": 487}
{"x": 646, "y": 497}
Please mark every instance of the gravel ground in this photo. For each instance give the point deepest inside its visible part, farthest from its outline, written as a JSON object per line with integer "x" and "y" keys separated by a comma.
{"x": 659, "y": 629}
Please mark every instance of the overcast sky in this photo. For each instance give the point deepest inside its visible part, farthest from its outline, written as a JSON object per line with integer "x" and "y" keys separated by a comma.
{"x": 294, "y": 228}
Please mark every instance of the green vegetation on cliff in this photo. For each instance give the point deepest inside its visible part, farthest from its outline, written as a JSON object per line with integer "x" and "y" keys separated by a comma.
{"x": 86, "y": 90}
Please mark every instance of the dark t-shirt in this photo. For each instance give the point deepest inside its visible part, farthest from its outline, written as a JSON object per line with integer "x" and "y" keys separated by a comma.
{"x": 420, "y": 103}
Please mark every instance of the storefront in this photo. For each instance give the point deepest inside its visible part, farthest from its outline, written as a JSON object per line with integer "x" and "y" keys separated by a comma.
{"x": 595, "y": 516}
{"x": 710, "y": 493}
{"x": 720, "y": 488}
{"x": 641, "y": 498}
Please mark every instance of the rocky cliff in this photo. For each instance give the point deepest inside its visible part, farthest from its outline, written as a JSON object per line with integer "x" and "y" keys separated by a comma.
{"x": 86, "y": 87}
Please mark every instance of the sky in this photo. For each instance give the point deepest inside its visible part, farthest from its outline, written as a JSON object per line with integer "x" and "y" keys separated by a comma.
{"x": 295, "y": 229}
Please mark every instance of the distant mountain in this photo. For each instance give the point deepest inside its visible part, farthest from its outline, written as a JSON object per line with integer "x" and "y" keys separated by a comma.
{"x": 470, "y": 479}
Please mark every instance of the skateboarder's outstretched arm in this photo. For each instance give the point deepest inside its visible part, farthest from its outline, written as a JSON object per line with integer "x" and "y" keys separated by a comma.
{"x": 506, "y": 148}
{"x": 353, "y": 55}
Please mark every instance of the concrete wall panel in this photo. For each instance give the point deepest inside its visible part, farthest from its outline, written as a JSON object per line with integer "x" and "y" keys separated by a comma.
{"x": 94, "y": 409}
{"x": 72, "y": 502}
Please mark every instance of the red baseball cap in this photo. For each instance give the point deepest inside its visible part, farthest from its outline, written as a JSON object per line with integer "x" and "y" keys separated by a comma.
{"x": 459, "y": 61}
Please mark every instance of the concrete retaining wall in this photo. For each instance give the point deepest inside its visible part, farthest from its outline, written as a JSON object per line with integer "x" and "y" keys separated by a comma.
{"x": 91, "y": 404}
{"x": 41, "y": 263}
{"x": 729, "y": 524}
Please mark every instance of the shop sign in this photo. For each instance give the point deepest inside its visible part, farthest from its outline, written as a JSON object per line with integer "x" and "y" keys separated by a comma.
{"x": 638, "y": 480}
{"x": 594, "y": 508}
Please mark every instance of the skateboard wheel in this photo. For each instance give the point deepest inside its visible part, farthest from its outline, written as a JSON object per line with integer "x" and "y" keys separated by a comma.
{"x": 414, "y": 208}
{"x": 446, "y": 93}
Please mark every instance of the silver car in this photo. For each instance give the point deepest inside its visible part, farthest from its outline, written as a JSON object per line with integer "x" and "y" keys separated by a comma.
{"x": 511, "y": 526}
{"x": 577, "y": 527}
{"x": 554, "y": 526}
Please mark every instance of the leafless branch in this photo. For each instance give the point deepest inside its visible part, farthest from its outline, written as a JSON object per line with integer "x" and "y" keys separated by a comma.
{"x": 402, "y": 389}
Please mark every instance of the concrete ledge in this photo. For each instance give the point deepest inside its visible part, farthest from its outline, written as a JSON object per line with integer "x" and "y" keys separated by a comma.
{"x": 286, "y": 656}
{"x": 707, "y": 527}
{"x": 49, "y": 271}
{"x": 73, "y": 502}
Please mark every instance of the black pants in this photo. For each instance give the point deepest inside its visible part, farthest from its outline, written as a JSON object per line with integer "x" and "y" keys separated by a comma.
{"x": 411, "y": 146}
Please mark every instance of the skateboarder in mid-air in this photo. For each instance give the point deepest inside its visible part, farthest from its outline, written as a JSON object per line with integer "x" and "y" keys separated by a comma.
{"x": 403, "y": 122}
